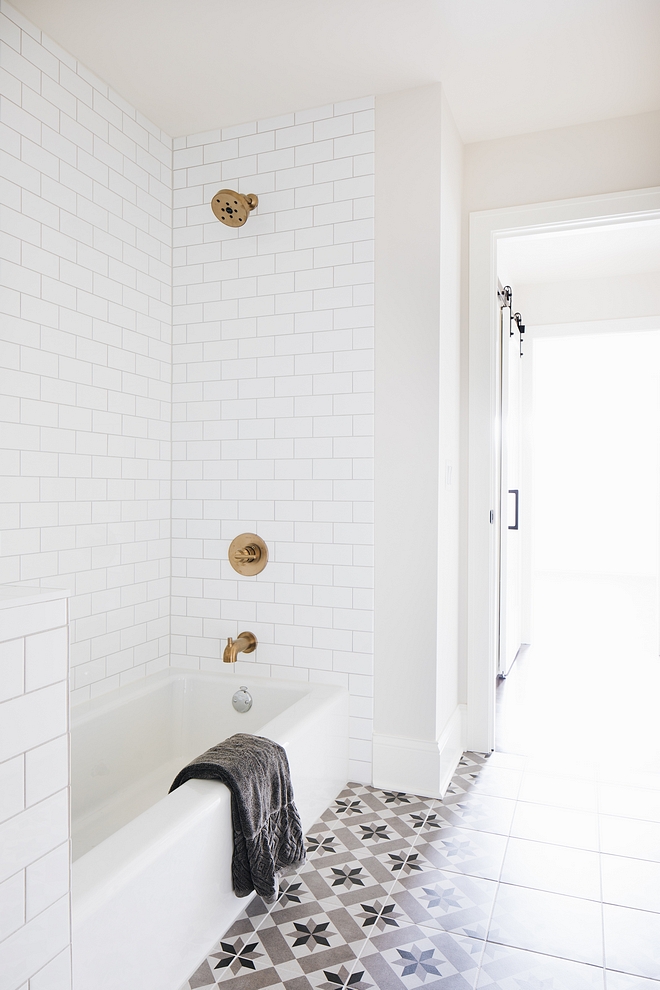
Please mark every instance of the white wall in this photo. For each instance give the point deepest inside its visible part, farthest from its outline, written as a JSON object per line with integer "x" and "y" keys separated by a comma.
{"x": 273, "y": 401}
{"x": 85, "y": 356}
{"x": 35, "y": 931}
{"x": 451, "y": 192}
{"x": 418, "y": 183}
{"x": 589, "y": 299}
{"x": 584, "y": 160}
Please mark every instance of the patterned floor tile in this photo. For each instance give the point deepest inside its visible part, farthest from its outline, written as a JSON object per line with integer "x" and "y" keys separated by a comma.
{"x": 202, "y": 978}
{"x": 632, "y": 941}
{"x": 303, "y": 929}
{"x": 360, "y": 838}
{"x": 297, "y": 955}
{"x": 354, "y": 921}
{"x": 504, "y": 968}
{"x": 548, "y": 923}
{"x": 400, "y": 892}
{"x": 360, "y": 803}
{"x": 393, "y": 830}
{"x": 449, "y": 902}
{"x": 461, "y": 850}
{"x": 404, "y": 862}
{"x": 323, "y": 841}
{"x": 414, "y": 958}
{"x": 426, "y": 822}
{"x": 400, "y": 802}
{"x": 347, "y": 880}
{"x": 238, "y": 955}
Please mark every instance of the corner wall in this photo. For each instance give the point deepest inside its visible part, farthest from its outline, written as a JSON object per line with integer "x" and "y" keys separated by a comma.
{"x": 418, "y": 724}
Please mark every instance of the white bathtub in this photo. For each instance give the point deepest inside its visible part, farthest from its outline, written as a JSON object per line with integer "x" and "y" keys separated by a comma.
{"x": 152, "y": 871}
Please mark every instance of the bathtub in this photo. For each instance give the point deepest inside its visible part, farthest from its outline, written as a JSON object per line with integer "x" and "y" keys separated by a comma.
{"x": 151, "y": 871}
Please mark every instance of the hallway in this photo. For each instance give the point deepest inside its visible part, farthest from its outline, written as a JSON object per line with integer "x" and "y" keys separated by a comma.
{"x": 577, "y": 717}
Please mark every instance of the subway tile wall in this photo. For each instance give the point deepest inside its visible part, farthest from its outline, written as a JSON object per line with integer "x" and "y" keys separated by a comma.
{"x": 85, "y": 355}
{"x": 34, "y": 800}
{"x": 272, "y": 401}
{"x": 272, "y": 359}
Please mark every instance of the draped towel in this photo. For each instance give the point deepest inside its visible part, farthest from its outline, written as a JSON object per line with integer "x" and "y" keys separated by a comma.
{"x": 268, "y": 838}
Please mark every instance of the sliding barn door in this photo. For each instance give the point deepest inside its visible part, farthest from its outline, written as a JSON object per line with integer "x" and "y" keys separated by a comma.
{"x": 511, "y": 560}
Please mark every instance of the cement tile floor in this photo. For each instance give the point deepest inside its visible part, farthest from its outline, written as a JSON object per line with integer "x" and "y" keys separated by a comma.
{"x": 520, "y": 879}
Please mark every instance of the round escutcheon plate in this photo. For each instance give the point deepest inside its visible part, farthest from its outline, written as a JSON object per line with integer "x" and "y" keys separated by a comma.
{"x": 248, "y": 554}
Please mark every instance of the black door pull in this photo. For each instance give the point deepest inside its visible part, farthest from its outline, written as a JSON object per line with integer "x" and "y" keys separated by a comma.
{"x": 514, "y": 491}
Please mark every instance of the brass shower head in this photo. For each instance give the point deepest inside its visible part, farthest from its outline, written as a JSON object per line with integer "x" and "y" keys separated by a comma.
{"x": 232, "y": 208}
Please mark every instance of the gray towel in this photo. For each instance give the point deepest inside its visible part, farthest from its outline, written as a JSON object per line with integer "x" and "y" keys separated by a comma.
{"x": 268, "y": 837}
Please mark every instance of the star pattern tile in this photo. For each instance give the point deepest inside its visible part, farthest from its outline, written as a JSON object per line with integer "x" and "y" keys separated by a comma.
{"x": 401, "y": 892}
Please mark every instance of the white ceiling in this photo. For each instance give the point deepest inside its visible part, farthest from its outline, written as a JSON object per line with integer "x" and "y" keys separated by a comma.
{"x": 508, "y": 66}
{"x": 597, "y": 252}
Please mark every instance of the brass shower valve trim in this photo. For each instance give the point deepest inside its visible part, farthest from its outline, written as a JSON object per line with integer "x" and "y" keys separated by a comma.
{"x": 248, "y": 554}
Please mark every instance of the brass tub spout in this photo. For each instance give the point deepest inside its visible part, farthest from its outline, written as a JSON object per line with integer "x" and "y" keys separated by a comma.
{"x": 246, "y": 643}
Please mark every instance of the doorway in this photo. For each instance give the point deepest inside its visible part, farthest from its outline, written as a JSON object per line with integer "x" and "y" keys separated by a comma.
{"x": 590, "y": 679}
{"x": 489, "y": 231}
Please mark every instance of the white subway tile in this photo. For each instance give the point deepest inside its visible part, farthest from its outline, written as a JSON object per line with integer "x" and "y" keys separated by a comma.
{"x": 307, "y": 237}
{"x": 32, "y": 719}
{"x": 45, "y": 658}
{"x": 34, "y": 832}
{"x": 12, "y": 904}
{"x": 354, "y": 106}
{"x": 55, "y": 975}
{"x": 364, "y": 164}
{"x": 12, "y": 786}
{"x": 11, "y": 668}
{"x": 46, "y": 770}
{"x": 272, "y": 123}
{"x": 317, "y": 113}
{"x": 29, "y": 949}
{"x": 333, "y": 127}
{"x": 364, "y": 120}
{"x": 28, "y": 619}
{"x": 329, "y": 597}
{"x": 355, "y": 144}
{"x": 360, "y": 771}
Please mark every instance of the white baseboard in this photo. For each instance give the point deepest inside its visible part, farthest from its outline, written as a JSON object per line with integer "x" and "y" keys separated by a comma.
{"x": 420, "y": 766}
